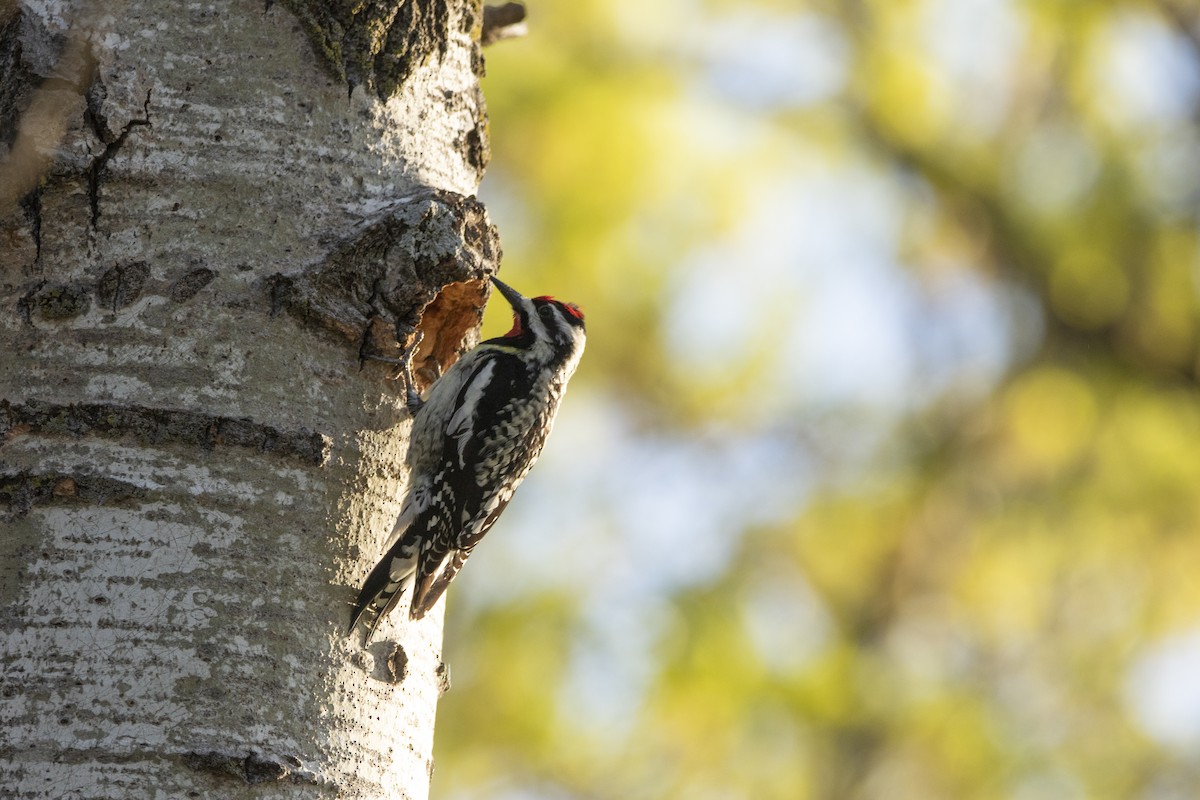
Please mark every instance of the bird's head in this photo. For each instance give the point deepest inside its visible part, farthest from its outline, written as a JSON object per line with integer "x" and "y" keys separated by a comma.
{"x": 550, "y": 329}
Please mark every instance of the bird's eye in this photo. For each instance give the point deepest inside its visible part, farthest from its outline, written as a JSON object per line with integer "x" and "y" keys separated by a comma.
{"x": 546, "y": 311}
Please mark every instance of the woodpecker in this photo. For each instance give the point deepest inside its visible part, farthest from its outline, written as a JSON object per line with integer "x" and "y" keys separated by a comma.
{"x": 474, "y": 439}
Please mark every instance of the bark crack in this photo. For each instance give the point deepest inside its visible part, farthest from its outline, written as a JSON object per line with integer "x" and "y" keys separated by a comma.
{"x": 26, "y": 302}
{"x": 161, "y": 426}
{"x": 31, "y": 204}
{"x": 99, "y": 124}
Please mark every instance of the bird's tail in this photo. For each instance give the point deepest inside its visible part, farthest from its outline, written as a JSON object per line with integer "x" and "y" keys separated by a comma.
{"x": 380, "y": 594}
{"x": 431, "y": 586}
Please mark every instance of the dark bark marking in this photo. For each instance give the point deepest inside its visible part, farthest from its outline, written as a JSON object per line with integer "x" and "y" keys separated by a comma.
{"x": 54, "y": 302}
{"x": 191, "y": 283}
{"x": 388, "y": 662}
{"x": 443, "y": 677}
{"x": 26, "y": 303}
{"x": 280, "y": 288}
{"x": 21, "y": 491}
{"x": 423, "y": 263}
{"x": 258, "y": 769}
{"x": 95, "y": 172}
{"x": 397, "y": 665}
{"x": 31, "y": 204}
{"x": 379, "y": 342}
{"x": 253, "y": 768}
{"x": 161, "y": 426}
{"x": 18, "y": 79}
{"x": 375, "y": 43}
{"x": 475, "y": 146}
{"x": 502, "y": 22}
{"x": 121, "y": 285}
{"x": 418, "y": 32}
{"x": 93, "y": 111}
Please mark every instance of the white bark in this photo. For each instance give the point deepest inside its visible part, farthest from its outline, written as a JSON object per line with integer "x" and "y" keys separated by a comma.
{"x": 195, "y": 473}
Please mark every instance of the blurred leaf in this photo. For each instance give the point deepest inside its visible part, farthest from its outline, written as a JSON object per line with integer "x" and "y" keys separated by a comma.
{"x": 977, "y": 544}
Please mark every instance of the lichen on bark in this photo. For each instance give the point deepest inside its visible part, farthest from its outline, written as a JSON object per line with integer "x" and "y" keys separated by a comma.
{"x": 377, "y": 43}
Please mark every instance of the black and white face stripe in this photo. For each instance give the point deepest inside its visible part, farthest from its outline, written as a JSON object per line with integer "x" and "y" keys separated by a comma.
{"x": 542, "y": 321}
{"x": 557, "y": 319}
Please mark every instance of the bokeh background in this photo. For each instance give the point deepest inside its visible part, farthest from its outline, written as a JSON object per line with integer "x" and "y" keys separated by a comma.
{"x": 881, "y": 475}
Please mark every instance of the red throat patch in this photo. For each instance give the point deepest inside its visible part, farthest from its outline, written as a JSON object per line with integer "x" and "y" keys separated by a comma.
{"x": 516, "y": 328}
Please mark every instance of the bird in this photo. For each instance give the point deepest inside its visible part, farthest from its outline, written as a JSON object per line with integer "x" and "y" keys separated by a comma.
{"x": 474, "y": 439}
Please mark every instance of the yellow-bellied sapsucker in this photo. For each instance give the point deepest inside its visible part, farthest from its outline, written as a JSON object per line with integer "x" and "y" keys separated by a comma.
{"x": 474, "y": 439}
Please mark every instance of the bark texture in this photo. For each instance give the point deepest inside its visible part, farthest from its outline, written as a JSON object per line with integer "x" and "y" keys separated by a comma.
{"x": 214, "y": 211}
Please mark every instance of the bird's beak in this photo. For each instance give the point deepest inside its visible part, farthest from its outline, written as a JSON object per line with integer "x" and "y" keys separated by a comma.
{"x": 513, "y": 297}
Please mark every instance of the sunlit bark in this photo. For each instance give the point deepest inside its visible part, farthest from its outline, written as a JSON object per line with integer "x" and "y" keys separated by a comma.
{"x": 207, "y": 220}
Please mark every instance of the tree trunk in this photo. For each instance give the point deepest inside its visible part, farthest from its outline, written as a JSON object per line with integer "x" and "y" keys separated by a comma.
{"x": 210, "y": 212}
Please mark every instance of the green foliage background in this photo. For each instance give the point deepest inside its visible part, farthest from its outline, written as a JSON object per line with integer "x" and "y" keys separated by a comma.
{"x": 948, "y": 551}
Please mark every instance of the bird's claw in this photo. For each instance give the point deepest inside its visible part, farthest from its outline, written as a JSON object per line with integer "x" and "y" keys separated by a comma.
{"x": 412, "y": 397}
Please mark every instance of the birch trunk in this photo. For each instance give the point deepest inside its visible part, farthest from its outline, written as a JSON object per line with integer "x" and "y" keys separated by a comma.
{"x": 209, "y": 212}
